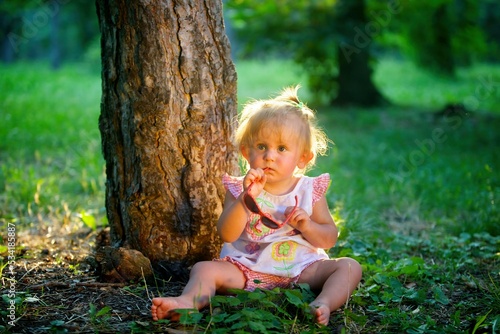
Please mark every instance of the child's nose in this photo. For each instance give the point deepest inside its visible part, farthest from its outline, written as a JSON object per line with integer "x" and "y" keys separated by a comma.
{"x": 269, "y": 156}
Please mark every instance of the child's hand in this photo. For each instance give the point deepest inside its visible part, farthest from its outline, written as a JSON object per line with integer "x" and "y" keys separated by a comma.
{"x": 300, "y": 219}
{"x": 256, "y": 176}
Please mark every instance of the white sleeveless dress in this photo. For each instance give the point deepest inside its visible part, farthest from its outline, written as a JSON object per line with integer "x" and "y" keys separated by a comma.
{"x": 282, "y": 252}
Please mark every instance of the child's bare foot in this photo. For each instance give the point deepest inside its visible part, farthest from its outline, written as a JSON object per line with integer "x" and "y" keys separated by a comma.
{"x": 321, "y": 312}
{"x": 164, "y": 307}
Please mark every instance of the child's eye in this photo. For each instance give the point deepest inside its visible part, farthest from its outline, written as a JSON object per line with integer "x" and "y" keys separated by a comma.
{"x": 282, "y": 148}
{"x": 261, "y": 147}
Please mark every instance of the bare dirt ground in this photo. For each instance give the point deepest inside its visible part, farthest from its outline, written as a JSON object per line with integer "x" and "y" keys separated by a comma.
{"x": 57, "y": 291}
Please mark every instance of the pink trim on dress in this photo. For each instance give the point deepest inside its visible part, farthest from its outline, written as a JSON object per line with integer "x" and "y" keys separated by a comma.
{"x": 233, "y": 184}
{"x": 320, "y": 186}
{"x": 263, "y": 281}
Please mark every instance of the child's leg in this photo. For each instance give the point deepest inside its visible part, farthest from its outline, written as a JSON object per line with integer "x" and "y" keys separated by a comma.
{"x": 336, "y": 279}
{"x": 205, "y": 279}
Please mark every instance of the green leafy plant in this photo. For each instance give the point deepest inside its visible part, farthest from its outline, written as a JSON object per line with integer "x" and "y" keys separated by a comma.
{"x": 260, "y": 311}
{"x": 88, "y": 220}
{"x": 57, "y": 326}
{"x": 99, "y": 318}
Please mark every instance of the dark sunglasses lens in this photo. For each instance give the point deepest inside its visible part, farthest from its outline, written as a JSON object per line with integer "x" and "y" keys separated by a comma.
{"x": 268, "y": 222}
{"x": 250, "y": 203}
{"x": 253, "y": 207}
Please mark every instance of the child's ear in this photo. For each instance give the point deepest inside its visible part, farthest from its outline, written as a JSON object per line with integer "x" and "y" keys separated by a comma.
{"x": 244, "y": 152}
{"x": 304, "y": 160}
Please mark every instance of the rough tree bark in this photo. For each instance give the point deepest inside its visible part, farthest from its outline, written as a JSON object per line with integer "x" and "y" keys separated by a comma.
{"x": 167, "y": 112}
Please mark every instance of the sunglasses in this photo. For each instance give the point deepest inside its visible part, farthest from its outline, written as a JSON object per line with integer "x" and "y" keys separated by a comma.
{"x": 265, "y": 218}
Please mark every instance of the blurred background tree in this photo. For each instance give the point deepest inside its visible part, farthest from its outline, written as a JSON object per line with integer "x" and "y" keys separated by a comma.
{"x": 440, "y": 35}
{"x": 318, "y": 36}
{"x": 54, "y": 31}
{"x": 335, "y": 42}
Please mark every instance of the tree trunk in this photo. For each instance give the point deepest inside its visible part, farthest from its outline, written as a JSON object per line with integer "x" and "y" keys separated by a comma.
{"x": 355, "y": 81}
{"x": 167, "y": 112}
{"x": 55, "y": 45}
{"x": 442, "y": 57}
{"x": 355, "y": 85}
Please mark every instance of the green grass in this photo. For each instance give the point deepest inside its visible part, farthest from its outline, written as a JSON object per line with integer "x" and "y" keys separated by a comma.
{"x": 406, "y": 174}
{"x": 51, "y": 166}
{"x": 415, "y": 195}
{"x": 262, "y": 79}
{"x": 407, "y": 85}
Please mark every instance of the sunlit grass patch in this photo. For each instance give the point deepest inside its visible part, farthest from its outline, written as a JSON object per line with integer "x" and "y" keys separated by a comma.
{"x": 391, "y": 160}
{"x": 407, "y": 85}
{"x": 265, "y": 78}
{"x": 50, "y": 144}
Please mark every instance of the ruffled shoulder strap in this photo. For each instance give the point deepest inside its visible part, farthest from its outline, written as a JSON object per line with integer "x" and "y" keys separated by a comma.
{"x": 234, "y": 184}
{"x": 320, "y": 186}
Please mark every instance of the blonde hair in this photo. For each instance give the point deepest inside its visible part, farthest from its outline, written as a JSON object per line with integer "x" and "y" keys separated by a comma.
{"x": 274, "y": 113}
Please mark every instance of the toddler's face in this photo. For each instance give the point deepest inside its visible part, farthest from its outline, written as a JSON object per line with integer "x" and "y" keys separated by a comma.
{"x": 278, "y": 150}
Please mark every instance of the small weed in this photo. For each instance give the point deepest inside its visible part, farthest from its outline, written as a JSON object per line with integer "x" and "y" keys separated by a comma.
{"x": 74, "y": 268}
{"x": 2, "y": 267}
{"x": 99, "y": 318}
{"x": 88, "y": 219}
{"x": 57, "y": 327}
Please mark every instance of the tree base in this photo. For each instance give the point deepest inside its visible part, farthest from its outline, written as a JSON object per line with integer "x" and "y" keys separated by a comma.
{"x": 122, "y": 265}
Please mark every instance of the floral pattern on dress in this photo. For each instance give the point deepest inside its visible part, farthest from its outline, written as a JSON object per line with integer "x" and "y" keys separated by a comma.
{"x": 255, "y": 229}
{"x": 252, "y": 247}
{"x": 284, "y": 250}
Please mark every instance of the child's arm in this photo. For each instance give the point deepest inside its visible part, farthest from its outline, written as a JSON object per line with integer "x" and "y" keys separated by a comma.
{"x": 319, "y": 229}
{"x": 235, "y": 214}
{"x": 233, "y": 219}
